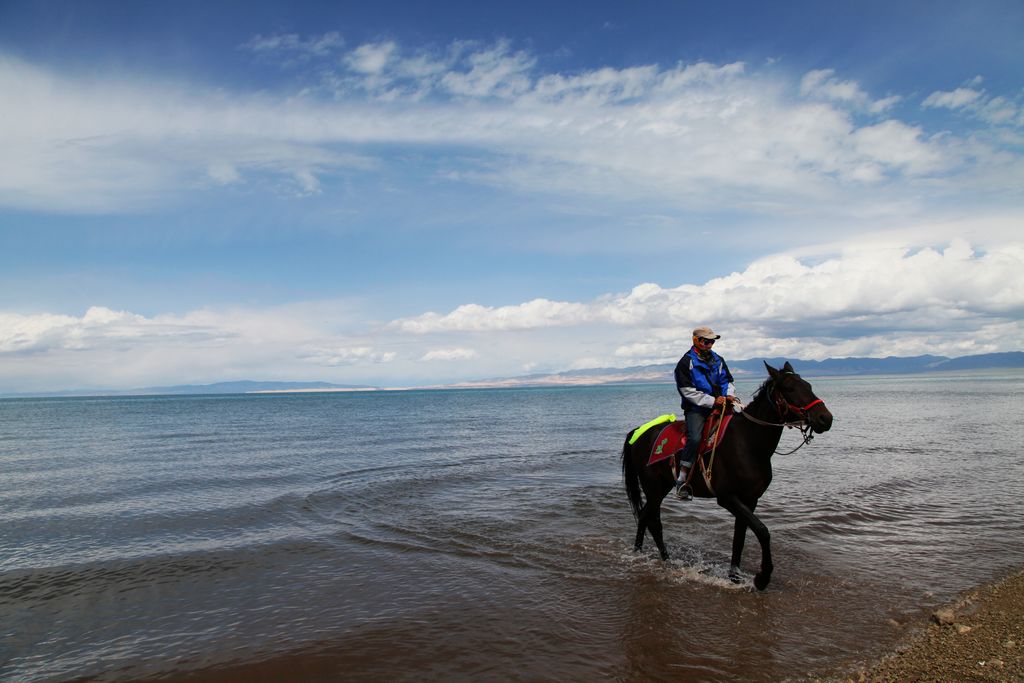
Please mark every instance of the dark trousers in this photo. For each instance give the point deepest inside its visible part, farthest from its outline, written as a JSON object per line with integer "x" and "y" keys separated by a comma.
{"x": 694, "y": 426}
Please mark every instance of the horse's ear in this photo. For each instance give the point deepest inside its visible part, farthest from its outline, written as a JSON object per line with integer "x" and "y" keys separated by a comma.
{"x": 772, "y": 372}
{"x": 788, "y": 368}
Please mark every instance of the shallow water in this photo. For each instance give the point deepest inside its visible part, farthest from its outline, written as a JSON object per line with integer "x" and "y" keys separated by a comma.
{"x": 479, "y": 534}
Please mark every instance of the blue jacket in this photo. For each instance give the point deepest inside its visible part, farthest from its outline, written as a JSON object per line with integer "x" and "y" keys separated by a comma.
{"x": 699, "y": 381}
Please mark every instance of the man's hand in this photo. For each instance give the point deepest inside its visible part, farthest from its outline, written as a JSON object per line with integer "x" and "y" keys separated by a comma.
{"x": 719, "y": 401}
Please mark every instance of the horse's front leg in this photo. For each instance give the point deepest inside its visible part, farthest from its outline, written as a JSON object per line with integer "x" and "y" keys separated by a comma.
{"x": 745, "y": 517}
{"x": 739, "y": 536}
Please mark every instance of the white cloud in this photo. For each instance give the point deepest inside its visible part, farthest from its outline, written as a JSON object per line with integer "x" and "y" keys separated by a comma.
{"x": 884, "y": 104}
{"x": 307, "y": 181}
{"x": 340, "y": 356}
{"x": 476, "y": 318}
{"x": 1000, "y": 111}
{"x": 224, "y": 173}
{"x": 952, "y": 298}
{"x": 954, "y": 99}
{"x": 689, "y": 135}
{"x": 458, "y": 353}
{"x": 876, "y": 299}
{"x": 292, "y": 44}
{"x": 98, "y": 327}
{"x": 603, "y": 86}
{"x": 120, "y": 349}
{"x": 371, "y": 58}
{"x": 895, "y": 145}
{"x": 492, "y": 72}
{"x": 995, "y": 110}
{"x": 99, "y": 146}
{"x": 823, "y": 84}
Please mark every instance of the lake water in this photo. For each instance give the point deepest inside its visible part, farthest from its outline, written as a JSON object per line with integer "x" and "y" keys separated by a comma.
{"x": 480, "y": 534}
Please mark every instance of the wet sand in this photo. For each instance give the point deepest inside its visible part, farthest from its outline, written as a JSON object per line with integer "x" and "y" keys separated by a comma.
{"x": 979, "y": 637}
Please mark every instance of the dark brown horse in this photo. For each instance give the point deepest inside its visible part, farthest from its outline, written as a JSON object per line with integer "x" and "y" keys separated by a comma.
{"x": 742, "y": 466}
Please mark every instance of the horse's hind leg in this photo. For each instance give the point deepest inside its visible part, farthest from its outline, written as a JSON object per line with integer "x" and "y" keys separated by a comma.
{"x": 641, "y": 528}
{"x": 649, "y": 519}
{"x": 654, "y": 524}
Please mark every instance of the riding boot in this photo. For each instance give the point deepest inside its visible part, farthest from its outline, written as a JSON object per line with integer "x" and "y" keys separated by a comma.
{"x": 682, "y": 488}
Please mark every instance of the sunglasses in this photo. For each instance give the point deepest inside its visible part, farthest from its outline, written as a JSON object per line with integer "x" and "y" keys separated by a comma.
{"x": 707, "y": 342}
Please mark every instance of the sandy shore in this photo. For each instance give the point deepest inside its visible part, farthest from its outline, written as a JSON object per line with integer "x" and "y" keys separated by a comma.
{"x": 979, "y": 637}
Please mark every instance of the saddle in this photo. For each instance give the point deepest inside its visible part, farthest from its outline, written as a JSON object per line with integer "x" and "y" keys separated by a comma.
{"x": 672, "y": 438}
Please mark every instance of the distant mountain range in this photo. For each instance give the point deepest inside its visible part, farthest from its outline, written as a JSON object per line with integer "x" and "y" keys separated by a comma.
{"x": 754, "y": 368}
{"x": 251, "y": 387}
{"x": 662, "y": 373}
{"x": 240, "y": 387}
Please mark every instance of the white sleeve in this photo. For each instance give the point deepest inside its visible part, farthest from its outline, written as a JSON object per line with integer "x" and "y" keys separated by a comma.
{"x": 697, "y": 397}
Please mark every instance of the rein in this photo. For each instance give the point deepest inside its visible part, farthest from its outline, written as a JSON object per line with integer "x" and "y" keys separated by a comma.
{"x": 783, "y": 407}
{"x": 706, "y": 471}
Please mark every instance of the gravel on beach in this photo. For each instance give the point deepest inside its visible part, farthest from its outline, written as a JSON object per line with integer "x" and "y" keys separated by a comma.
{"x": 980, "y": 637}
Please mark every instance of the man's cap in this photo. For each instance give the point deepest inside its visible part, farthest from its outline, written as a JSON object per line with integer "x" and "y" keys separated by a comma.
{"x": 706, "y": 333}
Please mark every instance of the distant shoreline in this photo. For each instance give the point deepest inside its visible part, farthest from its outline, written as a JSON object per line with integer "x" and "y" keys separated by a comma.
{"x": 653, "y": 375}
{"x": 744, "y": 377}
{"x": 313, "y": 390}
{"x": 581, "y": 383}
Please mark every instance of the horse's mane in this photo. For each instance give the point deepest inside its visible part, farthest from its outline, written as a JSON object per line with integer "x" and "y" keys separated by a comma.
{"x": 765, "y": 387}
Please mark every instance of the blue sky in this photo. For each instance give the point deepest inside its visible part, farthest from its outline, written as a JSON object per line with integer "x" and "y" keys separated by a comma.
{"x": 402, "y": 193}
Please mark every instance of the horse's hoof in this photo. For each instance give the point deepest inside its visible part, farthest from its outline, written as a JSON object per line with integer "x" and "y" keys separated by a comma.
{"x": 761, "y": 581}
{"x": 664, "y": 556}
{"x": 734, "y": 576}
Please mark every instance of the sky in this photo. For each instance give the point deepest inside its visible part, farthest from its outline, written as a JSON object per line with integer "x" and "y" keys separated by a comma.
{"x": 408, "y": 194}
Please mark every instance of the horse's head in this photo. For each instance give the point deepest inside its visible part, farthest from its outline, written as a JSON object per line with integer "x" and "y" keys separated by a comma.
{"x": 795, "y": 399}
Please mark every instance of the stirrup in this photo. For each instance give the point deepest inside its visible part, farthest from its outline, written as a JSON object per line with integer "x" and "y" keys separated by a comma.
{"x": 683, "y": 492}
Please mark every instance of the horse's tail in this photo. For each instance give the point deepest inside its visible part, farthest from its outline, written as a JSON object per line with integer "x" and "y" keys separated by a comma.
{"x": 631, "y": 477}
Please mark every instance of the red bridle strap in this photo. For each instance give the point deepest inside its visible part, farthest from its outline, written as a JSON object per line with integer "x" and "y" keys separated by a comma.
{"x": 780, "y": 400}
{"x": 810, "y": 405}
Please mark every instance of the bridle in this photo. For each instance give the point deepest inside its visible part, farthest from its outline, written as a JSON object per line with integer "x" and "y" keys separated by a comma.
{"x": 784, "y": 407}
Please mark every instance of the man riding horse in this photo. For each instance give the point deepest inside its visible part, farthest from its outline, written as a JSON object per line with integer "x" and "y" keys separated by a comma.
{"x": 742, "y": 470}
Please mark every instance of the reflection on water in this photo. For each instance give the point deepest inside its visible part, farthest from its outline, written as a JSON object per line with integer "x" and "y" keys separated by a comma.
{"x": 474, "y": 534}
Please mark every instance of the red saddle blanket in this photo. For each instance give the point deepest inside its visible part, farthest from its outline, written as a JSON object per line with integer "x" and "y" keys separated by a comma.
{"x": 672, "y": 438}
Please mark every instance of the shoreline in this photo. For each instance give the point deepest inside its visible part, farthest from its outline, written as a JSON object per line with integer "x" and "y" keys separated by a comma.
{"x": 977, "y": 637}
{"x": 604, "y": 377}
